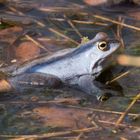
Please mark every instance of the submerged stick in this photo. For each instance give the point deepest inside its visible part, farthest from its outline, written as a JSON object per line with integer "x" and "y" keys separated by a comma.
{"x": 121, "y": 124}
{"x": 118, "y": 77}
{"x": 101, "y": 110}
{"x": 73, "y": 26}
{"x": 81, "y": 21}
{"x": 119, "y": 31}
{"x": 37, "y": 43}
{"x": 128, "y": 109}
{"x": 64, "y": 36}
{"x": 116, "y": 22}
{"x": 53, "y": 134}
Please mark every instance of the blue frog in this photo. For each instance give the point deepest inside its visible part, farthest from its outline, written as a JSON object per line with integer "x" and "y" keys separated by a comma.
{"x": 77, "y": 67}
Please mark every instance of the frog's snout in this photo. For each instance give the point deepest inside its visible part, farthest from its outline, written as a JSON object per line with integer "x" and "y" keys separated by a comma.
{"x": 115, "y": 44}
{"x": 115, "y": 41}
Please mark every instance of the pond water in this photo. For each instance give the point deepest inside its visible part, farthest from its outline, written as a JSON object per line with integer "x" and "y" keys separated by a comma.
{"x": 39, "y": 111}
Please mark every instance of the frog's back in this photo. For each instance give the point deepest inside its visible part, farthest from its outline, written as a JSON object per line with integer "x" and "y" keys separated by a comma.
{"x": 20, "y": 68}
{"x": 64, "y": 55}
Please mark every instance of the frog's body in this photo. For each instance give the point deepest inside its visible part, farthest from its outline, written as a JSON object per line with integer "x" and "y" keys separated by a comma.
{"x": 77, "y": 67}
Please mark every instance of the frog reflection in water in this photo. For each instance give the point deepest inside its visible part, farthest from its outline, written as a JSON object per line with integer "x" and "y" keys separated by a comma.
{"x": 76, "y": 67}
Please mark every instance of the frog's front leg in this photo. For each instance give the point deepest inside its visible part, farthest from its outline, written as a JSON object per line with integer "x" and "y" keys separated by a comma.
{"x": 34, "y": 80}
{"x": 88, "y": 85}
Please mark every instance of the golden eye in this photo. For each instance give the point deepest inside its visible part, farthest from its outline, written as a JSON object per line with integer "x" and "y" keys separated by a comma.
{"x": 102, "y": 45}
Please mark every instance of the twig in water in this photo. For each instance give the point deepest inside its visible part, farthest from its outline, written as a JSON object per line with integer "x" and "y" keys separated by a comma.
{"x": 90, "y": 118}
{"x": 64, "y": 36}
{"x": 56, "y": 32}
{"x": 116, "y": 22}
{"x": 15, "y": 10}
{"x": 79, "y": 136}
{"x": 100, "y": 110}
{"x": 119, "y": 33}
{"x": 123, "y": 125}
{"x": 81, "y": 21}
{"x": 27, "y": 36}
{"x": 118, "y": 77}
{"x": 127, "y": 110}
{"x": 54, "y": 134}
{"x": 73, "y": 26}
{"x": 41, "y": 24}
{"x": 37, "y": 43}
{"x": 58, "y": 9}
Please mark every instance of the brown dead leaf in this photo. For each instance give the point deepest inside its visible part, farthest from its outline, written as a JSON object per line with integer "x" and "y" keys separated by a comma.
{"x": 59, "y": 116}
{"x": 4, "y": 86}
{"x": 9, "y": 35}
{"x": 26, "y": 51}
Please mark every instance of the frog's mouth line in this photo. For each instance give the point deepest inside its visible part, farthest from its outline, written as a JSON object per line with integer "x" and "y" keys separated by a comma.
{"x": 105, "y": 74}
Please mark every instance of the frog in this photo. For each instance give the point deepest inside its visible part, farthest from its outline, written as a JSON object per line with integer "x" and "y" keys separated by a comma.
{"x": 74, "y": 67}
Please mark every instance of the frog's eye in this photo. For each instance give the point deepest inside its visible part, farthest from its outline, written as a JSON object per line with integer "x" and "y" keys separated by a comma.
{"x": 102, "y": 45}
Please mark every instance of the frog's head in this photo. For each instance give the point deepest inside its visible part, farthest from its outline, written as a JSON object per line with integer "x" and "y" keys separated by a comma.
{"x": 98, "y": 50}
